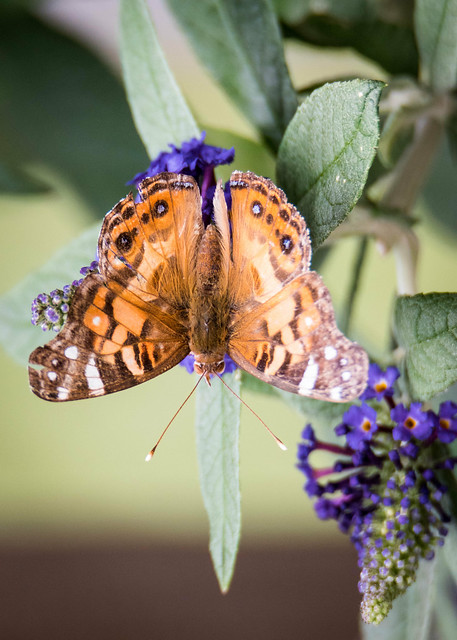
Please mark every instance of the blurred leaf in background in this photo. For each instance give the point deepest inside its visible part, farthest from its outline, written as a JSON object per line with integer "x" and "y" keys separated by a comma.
{"x": 68, "y": 112}
{"x": 241, "y": 45}
{"x": 381, "y": 31}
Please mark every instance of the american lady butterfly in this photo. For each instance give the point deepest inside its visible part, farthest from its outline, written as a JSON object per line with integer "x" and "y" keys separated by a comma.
{"x": 168, "y": 287}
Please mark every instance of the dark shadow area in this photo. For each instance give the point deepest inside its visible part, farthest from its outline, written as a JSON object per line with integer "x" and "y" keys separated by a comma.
{"x": 140, "y": 593}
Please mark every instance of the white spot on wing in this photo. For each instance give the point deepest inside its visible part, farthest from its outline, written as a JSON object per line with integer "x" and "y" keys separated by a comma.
{"x": 335, "y": 393}
{"x": 330, "y": 352}
{"x": 343, "y": 362}
{"x": 308, "y": 321}
{"x": 62, "y": 393}
{"x": 309, "y": 377}
{"x": 346, "y": 375}
{"x": 71, "y": 352}
{"x": 96, "y": 320}
{"x": 93, "y": 379}
{"x": 52, "y": 375}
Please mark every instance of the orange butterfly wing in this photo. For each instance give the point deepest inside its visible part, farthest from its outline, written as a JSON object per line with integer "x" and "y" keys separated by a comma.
{"x": 147, "y": 249}
{"x": 107, "y": 344}
{"x": 283, "y": 328}
{"x": 127, "y": 324}
{"x": 270, "y": 239}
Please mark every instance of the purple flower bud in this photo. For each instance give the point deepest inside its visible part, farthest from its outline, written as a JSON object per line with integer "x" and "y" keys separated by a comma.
{"x": 326, "y": 509}
{"x": 308, "y": 434}
{"x": 51, "y": 315}
{"x": 192, "y": 158}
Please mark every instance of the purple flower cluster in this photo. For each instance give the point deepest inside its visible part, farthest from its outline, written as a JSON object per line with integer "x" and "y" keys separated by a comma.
{"x": 194, "y": 158}
{"x": 384, "y": 488}
{"x": 50, "y": 310}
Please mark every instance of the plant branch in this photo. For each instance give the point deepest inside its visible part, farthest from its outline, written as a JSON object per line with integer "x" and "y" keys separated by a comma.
{"x": 354, "y": 286}
{"x": 399, "y": 191}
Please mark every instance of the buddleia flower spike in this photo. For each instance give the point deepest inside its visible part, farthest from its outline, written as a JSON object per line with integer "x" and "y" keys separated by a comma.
{"x": 50, "y": 310}
{"x": 385, "y": 487}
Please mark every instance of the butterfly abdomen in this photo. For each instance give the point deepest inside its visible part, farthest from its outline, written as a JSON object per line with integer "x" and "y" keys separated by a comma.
{"x": 209, "y": 263}
{"x": 208, "y": 313}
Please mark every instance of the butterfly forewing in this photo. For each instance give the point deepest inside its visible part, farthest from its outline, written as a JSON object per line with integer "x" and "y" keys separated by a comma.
{"x": 270, "y": 238}
{"x": 148, "y": 247}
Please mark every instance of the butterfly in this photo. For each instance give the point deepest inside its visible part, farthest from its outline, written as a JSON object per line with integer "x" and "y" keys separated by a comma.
{"x": 167, "y": 286}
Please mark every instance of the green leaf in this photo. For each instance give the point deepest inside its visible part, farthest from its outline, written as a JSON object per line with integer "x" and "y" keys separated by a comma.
{"x": 64, "y": 109}
{"x": 410, "y": 617}
{"x": 322, "y": 415}
{"x": 159, "y": 110}
{"x": 450, "y": 551}
{"x": 445, "y": 612}
{"x": 291, "y": 11}
{"x": 15, "y": 180}
{"x": 436, "y": 29}
{"x": 217, "y": 424}
{"x": 17, "y": 334}
{"x": 440, "y": 189}
{"x": 250, "y": 155}
{"x": 373, "y": 35}
{"x": 426, "y": 328}
{"x": 251, "y": 383}
{"x": 349, "y": 10}
{"x": 240, "y": 43}
{"x": 400, "y": 117}
{"x": 327, "y": 150}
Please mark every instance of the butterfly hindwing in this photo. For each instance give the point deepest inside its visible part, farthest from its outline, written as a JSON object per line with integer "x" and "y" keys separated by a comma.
{"x": 107, "y": 344}
{"x": 292, "y": 342}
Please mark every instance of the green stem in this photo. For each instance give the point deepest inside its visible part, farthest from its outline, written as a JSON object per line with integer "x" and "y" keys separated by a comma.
{"x": 408, "y": 179}
{"x": 410, "y": 173}
{"x": 354, "y": 285}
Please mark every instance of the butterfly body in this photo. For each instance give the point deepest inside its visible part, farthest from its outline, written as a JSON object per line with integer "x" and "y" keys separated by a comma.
{"x": 209, "y": 309}
{"x": 168, "y": 287}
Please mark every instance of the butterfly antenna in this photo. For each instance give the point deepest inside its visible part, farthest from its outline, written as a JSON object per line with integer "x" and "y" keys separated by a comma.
{"x": 153, "y": 450}
{"x": 279, "y": 442}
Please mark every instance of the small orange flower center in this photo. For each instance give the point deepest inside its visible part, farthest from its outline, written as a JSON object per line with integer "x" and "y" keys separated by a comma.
{"x": 366, "y": 425}
{"x": 444, "y": 423}
{"x": 381, "y": 386}
{"x": 410, "y": 423}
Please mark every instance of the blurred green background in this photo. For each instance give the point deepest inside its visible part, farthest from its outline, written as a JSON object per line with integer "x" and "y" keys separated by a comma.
{"x": 72, "y": 475}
